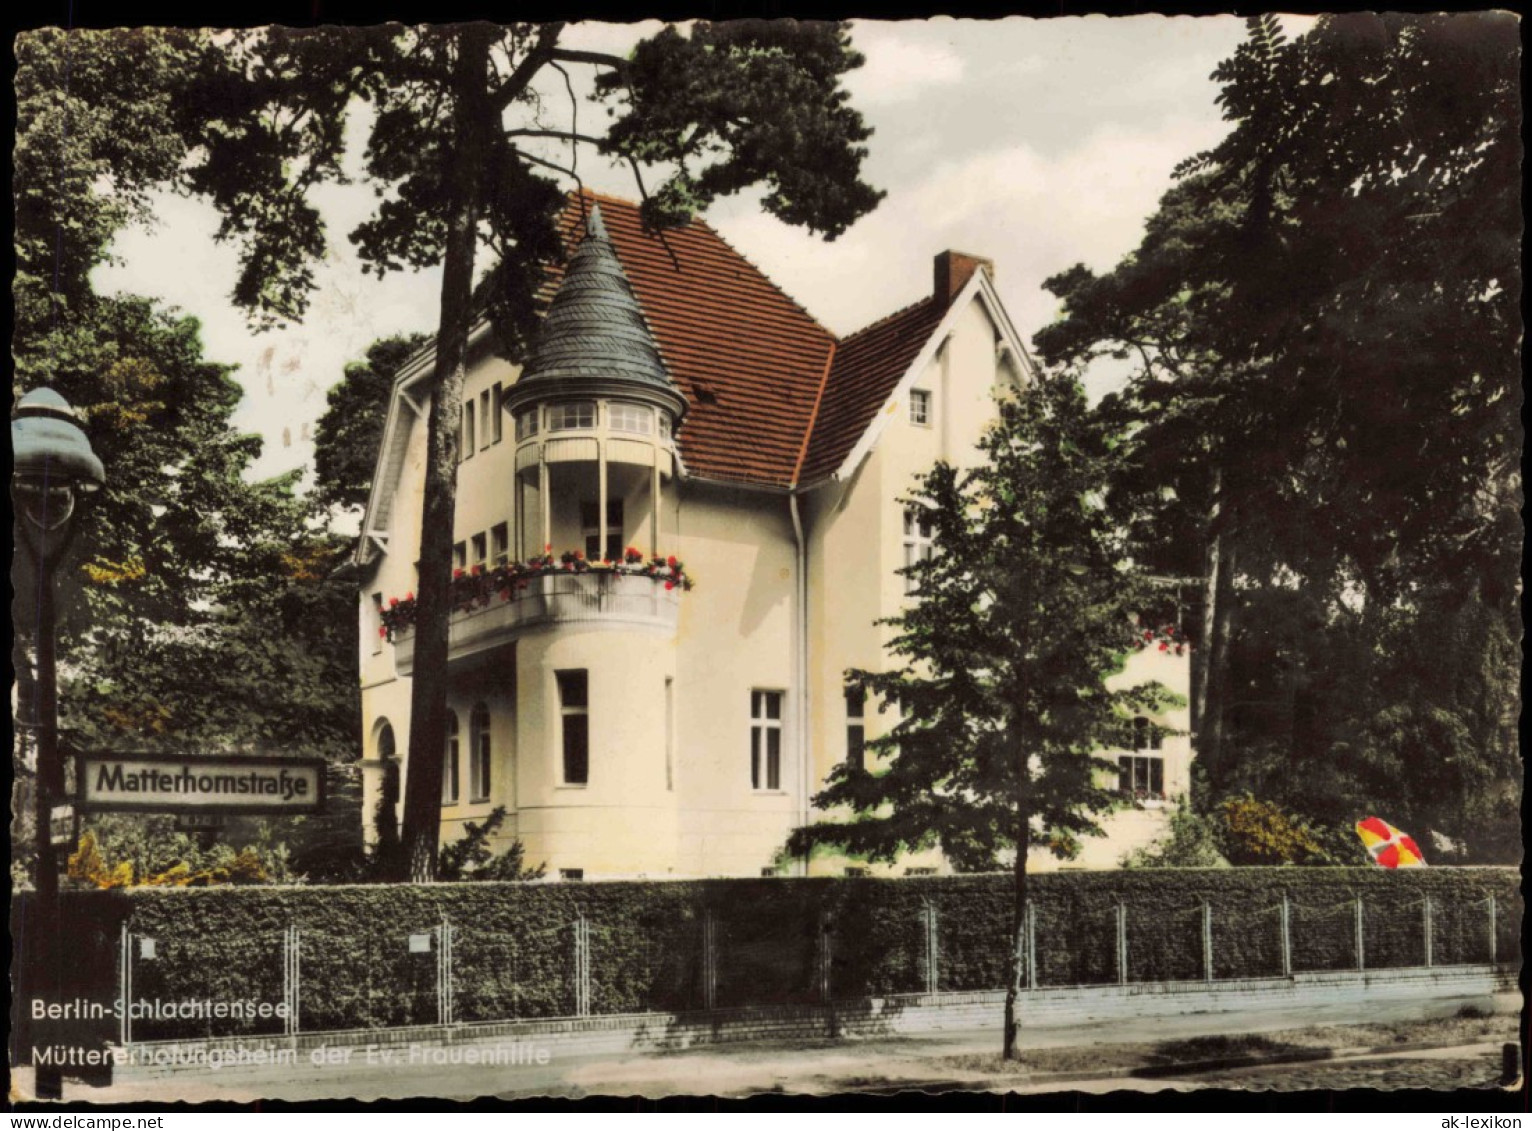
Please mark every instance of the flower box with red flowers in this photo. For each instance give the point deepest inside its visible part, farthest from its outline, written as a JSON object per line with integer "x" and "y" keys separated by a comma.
{"x": 477, "y": 589}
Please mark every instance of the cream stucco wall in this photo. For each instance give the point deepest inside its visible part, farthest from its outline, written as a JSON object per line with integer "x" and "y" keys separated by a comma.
{"x": 857, "y": 540}
{"x": 669, "y": 790}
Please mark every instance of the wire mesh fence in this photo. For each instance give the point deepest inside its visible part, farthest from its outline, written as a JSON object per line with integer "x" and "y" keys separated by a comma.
{"x": 678, "y": 958}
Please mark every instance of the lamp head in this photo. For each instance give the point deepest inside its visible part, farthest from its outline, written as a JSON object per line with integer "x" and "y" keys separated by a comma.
{"x": 53, "y": 460}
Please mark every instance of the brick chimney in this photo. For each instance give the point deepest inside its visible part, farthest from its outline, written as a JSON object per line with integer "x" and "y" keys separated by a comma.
{"x": 954, "y": 269}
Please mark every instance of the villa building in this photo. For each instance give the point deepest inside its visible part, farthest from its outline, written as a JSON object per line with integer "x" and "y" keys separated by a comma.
{"x": 671, "y": 710}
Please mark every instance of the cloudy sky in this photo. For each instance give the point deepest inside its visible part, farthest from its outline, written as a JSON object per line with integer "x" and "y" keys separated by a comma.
{"x": 1035, "y": 143}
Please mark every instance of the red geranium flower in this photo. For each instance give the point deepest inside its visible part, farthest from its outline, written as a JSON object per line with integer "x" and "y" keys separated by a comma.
{"x": 671, "y": 561}
{"x": 393, "y": 602}
{"x": 457, "y": 573}
{"x": 382, "y": 632}
{"x": 410, "y": 596}
{"x": 670, "y": 585}
{"x": 478, "y": 569}
{"x": 1164, "y": 647}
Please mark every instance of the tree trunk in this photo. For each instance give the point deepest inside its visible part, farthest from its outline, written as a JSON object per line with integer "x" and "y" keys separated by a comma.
{"x": 1213, "y": 722}
{"x": 1200, "y": 664}
{"x": 1016, "y": 961}
{"x": 428, "y": 692}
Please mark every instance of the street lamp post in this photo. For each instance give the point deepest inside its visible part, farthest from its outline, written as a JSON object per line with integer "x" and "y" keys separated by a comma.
{"x": 53, "y": 466}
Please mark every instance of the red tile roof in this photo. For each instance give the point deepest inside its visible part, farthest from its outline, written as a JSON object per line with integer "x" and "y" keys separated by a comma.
{"x": 774, "y": 400}
{"x": 868, "y": 364}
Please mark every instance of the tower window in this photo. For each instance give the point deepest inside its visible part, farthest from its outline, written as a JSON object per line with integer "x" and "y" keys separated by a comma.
{"x": 631, "y": 418}
{"x": 574, "y": 720}
{"x": 766, "y": 740}
{"x": 526, "y": 423}
{"x": 571, "y": 414}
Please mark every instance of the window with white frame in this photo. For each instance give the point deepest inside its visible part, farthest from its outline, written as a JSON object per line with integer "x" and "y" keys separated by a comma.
{"x": 856, "y": 734}
{"x": 480, "y": 549}
{"x": 526, "y": 423}
{"x": 460, "y": 555}
{"x": 480, "y": 752}
{"x": 630, "y": 418}
{"x": 571, "y": 414}
{"x": 766, "y": 740}
{"x": 1141, "y": 775}
{"x": 378, "y": 631}
{"x": 484, "y": 419}
{"x": 470, "y": 433}
{"x": 574, "y": 724}
{"x": 664, "y": 425}
{"x": 920, "y": 407}
{"x": 500, "y": 543}
{"x": 450, "y": 762}
{"x": 497, "y": 430}
{"x": 917, "y": 542}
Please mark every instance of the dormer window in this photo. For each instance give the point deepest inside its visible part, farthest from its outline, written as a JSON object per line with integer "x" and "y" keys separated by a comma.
{"x": 526, "y": 423}
{"x": 631, "y": 418}
{"x": 571, "y": 415}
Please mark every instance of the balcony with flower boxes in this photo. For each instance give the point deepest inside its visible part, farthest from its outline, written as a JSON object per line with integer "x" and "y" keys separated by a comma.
{"x": 494, "y": 607}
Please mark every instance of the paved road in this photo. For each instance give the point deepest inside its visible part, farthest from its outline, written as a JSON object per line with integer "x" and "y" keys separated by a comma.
{"x": 727, "y": 1070}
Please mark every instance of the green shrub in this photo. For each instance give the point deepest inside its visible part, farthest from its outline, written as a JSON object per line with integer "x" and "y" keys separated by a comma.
{"x": 513, "y": 943}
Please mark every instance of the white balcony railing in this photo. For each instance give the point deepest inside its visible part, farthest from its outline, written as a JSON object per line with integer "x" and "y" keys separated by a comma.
{"x": 597, "y": 599}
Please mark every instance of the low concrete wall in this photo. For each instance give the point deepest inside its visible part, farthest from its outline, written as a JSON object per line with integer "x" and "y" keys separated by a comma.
{"x": 865, "y": 1017}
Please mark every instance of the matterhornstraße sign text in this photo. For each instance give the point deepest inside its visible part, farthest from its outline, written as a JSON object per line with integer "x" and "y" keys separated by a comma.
{"x": 220, "y": 784}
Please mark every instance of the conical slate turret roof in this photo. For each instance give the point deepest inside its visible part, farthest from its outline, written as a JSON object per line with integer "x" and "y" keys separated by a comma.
{"x": 595, "y": 327}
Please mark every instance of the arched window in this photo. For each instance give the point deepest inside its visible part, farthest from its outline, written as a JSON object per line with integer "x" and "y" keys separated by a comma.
{"x": 449, "y": 764}
{"x": 480, "y": 751}
{"x": 386, "y": 819}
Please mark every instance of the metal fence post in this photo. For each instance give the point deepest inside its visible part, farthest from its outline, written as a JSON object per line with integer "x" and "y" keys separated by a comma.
{"x": 1425, "y": 927}
{"x": 1122, "y": 944}
{"x": 709, "y": 960}
{"x": 125, "y": 987}
{"x": 1361, "y": 948}
{"x": 1494, "y": 943}
{"x": 1031, "y": 926}
{"x": 1287, "y": 938}
{"x": 449, "y": 1014}
{"x": 1207, "y": 941}
{"x": 582, "y": 966}
{"x": 291, "y": 978}
{"x": 825, "y": 958}
{"x": 933, "y": 946}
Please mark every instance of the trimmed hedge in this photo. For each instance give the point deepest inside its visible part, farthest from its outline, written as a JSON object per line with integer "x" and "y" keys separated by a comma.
{"x": 514, "y": 952}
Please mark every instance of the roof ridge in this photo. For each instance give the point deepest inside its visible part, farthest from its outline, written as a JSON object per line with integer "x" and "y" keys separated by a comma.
{"x": 887, "y": 318}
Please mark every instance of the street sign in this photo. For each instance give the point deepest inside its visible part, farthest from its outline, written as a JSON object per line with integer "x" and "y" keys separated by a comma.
{"x": 61, "y": 826}
{"x": 223, "y": 784}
